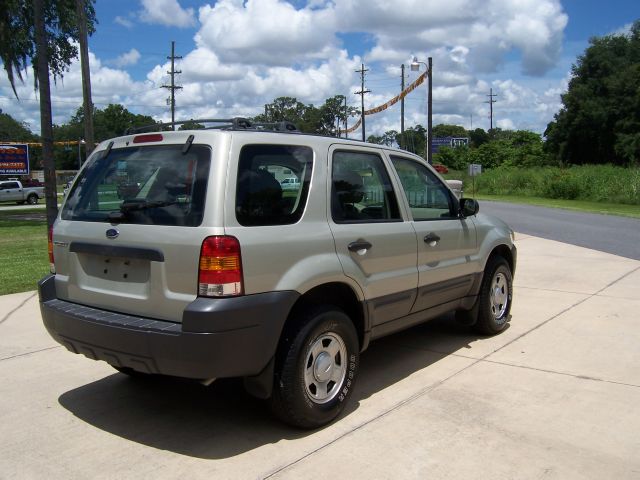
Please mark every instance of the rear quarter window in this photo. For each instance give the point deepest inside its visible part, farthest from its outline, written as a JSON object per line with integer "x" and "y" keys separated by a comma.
{"x": 272, "y": 184}
{"x": 156, "y": 185}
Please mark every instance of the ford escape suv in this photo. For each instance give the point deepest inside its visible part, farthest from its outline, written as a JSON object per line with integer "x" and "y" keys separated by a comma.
{"x": 180, "y": 253}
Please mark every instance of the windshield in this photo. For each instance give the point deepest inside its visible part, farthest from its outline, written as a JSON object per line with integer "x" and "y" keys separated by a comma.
{"x": 156, "y": 185}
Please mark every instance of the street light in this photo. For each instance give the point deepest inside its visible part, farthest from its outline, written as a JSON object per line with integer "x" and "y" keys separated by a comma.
{"x": 352, "y": 113}
{"x": 80, "y": 142}
{"x": 415, "y": 67}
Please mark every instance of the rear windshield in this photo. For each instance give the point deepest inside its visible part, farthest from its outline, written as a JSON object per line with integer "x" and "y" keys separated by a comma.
{"x": 156, "y": 185}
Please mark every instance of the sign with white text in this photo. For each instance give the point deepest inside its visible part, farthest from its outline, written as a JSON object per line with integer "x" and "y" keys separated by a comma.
{"x": 14, "y": 159}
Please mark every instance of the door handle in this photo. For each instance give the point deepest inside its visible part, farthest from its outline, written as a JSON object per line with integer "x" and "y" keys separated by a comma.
{"x": 431, "y": 239}
{"x": 360, "y": 247}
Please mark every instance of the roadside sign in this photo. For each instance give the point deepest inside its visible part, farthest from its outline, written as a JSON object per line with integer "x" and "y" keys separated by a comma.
{"x": 452, "y": 142}
{"x": 475, "y": 169}
{"x": 14, "y": 159}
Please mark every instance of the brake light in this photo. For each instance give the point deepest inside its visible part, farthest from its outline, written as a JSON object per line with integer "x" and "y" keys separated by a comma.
{"x": 150, "y": 137}
{"x": 220, "y": 272}
{"x": 52, "y": 267}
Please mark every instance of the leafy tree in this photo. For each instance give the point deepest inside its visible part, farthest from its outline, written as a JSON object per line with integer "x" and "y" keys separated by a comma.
{"x": 444, "y": 130}
{"x": 191, "y": 125}
{"x": 43, "y": 32}
{"x": 414, "y": 139}
{"x": 13, "y": 131}
{"x": 477, "y": 137}
{"x": 284, "y": 108}
{"x": 600, "y": 119}
{"x": 377, "y": 139}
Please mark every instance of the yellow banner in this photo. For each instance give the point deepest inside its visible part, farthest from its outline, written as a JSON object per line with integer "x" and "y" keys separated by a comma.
{"x": 391, "y": 102}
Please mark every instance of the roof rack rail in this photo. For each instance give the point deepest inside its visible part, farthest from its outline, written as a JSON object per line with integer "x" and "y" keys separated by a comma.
{"x": 236, "y": 123}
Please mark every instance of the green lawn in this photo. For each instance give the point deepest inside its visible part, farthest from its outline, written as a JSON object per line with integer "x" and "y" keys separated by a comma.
{"x": 579, "y": 205}
{"x": 23, "y": 250}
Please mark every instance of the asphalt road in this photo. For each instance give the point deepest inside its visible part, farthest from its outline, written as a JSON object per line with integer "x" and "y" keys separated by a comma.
{"x": 606, "y": 233}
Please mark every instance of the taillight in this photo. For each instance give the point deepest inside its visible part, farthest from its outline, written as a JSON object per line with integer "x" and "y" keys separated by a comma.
{"x": 220, "y": 272}
{"x": 52, "y": 267}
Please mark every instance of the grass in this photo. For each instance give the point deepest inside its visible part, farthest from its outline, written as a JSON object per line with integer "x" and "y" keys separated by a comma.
{"x": 622, "y": 210}
{"x": 23, "y": 250}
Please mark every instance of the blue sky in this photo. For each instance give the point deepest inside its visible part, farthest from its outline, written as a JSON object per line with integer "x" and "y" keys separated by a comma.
{"x": 239, "y": 55}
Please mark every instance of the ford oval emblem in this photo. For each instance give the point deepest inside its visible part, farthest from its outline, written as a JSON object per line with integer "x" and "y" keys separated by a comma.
{"x": 112, "y": 233}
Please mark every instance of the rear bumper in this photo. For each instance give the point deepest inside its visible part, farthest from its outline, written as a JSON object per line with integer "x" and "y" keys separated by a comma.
{"x": 226, "y": 337}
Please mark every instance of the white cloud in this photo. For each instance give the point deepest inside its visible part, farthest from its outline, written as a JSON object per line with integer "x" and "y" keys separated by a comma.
{"x": 125, "y": 22}
{"x": 129, "y": 58}
{"x": 266, "y": 32}
{"x": 249, "y": 52}
{"x": 168, "y": 13}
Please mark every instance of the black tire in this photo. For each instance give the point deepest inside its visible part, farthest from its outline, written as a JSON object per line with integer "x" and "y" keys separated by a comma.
{"x": 32, "y": 199}
{"x": 496, "y": 295}
{"x": 316, "y": 368}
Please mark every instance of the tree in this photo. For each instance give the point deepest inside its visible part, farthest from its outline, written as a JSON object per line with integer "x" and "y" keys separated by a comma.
{"x": 600, "y": 118}
{"x": 413, "y": 140}
{"x": 478, "y": 137}
{"x": 444, "y": 130}
{"x": 44, "y": 33}
{"x": 13, "y": 131}
{"x": 191, "y": 125}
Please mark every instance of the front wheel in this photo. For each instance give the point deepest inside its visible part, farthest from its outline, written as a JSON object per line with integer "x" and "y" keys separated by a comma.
{"x": 316, "y": 369}
{"x": 496, "y": 294}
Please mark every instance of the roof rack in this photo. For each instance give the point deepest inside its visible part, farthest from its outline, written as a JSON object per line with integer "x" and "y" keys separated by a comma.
{"x": 236, "y": 123}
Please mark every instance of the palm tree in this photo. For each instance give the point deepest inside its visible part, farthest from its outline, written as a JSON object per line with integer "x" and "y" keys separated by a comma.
{"x": 42, "y": 32}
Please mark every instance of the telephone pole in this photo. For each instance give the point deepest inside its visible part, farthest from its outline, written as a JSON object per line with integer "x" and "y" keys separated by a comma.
{"x": 491, "y": 101}
{"x": 361, "y": 93}
{"x": 402, "y": 108}
{"x": 173, "y": 87}
{"x": 86, "y": 77}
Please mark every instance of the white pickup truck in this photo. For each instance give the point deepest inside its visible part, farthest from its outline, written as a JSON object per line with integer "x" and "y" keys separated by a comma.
{"x": 13, "y": 191}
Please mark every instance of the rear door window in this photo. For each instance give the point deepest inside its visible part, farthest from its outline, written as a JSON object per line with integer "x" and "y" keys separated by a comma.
{"x": 156, "y": 185}
{"x": 361, "y": 189}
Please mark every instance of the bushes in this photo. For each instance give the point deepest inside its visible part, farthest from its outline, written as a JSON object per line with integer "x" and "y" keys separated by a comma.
{"x": 604, "y": 183}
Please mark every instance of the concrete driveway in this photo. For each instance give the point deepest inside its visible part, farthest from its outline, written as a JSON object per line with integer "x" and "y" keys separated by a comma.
{"x": 557, "y": 395}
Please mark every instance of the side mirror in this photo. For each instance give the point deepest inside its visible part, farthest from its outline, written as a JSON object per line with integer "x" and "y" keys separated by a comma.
{"x": 468, "y": 207}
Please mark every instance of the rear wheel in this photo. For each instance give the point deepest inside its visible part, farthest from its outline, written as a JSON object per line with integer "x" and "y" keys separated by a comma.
{"x": 32, "y": 199}
{"x": 316, "y": 369}
{"x": 496, "y": 294}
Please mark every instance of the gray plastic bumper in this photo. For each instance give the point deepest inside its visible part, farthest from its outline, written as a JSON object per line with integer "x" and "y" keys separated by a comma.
{"x": 226, "y": 337}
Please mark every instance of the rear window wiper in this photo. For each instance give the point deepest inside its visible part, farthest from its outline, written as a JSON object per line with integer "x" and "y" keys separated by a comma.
{"x": 135, "y": 205}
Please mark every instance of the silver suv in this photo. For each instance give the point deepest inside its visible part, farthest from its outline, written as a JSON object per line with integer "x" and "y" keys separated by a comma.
{"x": 179, "y": 253}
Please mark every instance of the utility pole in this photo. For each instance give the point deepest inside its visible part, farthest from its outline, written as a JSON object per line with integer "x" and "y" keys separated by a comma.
{"x": 173, "y": 87}
{"x": 345, "y": 117}
{"x": 86, "y": 77}
{"x": 402, "y": 108}
{"x": 430, "y": 119}
{"x": 361, "y": 93}
{"x": 491, "y": 101}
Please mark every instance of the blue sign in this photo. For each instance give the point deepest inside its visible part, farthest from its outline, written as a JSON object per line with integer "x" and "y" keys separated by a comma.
{"x": 452, "y": 142}
{"x": 14, "y": 159}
